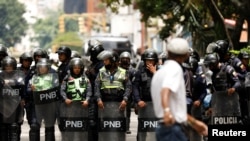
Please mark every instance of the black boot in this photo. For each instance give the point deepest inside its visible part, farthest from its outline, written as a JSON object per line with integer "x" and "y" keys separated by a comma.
{"x": 3, "y": 132}
{"x": 19, "y": 130}
{"x": 50, "y": 133}
{"x": 34, "y": 134}
{"x": 13, "y": 132}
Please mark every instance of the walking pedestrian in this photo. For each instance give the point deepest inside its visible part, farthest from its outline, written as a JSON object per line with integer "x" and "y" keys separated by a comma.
{"x": 168, "y": 96}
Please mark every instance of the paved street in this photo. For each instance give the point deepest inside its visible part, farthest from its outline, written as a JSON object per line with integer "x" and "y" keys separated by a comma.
{"x": 130, "y": 137}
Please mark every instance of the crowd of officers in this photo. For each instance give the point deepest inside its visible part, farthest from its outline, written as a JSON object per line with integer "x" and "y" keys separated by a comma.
{"x": 82, "y": 98}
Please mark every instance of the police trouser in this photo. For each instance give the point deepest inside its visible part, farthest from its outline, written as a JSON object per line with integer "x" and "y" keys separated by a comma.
{"x": 34, "y": 133}
{"x": 93, "y": 120}
{"x": 128, "y": 114}
{"x": 30, "y": 113}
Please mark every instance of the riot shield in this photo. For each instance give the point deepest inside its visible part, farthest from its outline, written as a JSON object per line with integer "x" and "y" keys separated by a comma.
{"x": 11, "y": 89}
{"x": 111, "y": 122}
{"x": 225, "y": 108}
{"x": 73, "y": 121}
{"x": 45, "y": 90}
{"x": 147, "y": 123}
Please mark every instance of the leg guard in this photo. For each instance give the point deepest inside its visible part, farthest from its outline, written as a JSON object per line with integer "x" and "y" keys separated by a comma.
{"x": 50, "y": 133}
{"x": 34, "y": 133}
{"x": 13, "y": 132}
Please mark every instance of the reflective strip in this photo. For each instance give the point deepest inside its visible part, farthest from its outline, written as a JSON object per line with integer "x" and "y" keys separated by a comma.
{"x": 73, "y": 90}
{"x": 119, "y": 77}
{"x": 42, "y": 82}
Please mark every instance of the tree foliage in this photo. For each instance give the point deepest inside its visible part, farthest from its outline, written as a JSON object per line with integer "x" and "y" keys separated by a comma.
{"x": 12, "y": 23}
{"x": 70, "y": 39}
{"x": 203, "y": 18}
{"x": 46, "y": 29}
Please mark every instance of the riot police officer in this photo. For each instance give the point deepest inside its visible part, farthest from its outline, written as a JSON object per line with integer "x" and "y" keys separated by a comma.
{"x": 125, "y": 59}
{"x": 112, "y": 89}
{"x": 11, "y": 100}
{"x": 244, "y": 95}
{"x": 44, "y": 87}
{"x": 25, "y": 61}
{"x": 221, "y": 47}
{"x": 64, "y": 56}
{"x": 76, "y": 91}
{"x": 94, "y": 48}
{"x": 34, "y": 133}
{"x": 141, "y": 92}
{"x": 75, "y": 54}
{"x": 226, "y": 84}
{"x": 199, "y": 91}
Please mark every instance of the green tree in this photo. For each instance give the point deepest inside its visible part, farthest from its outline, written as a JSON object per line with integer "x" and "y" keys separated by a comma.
{"x": 203, "y": 18}
{"x": 46, "y": 29}
{"x": 12, "y": 23}
{"x": 70, "y": 39}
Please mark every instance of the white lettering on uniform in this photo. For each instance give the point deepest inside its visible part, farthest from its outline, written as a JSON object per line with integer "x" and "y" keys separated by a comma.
{"x": 112, "y": 124}
{"x": 77, "y": 124}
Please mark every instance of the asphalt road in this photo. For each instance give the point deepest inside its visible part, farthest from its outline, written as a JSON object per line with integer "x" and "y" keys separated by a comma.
{"x": 129, "y": 137}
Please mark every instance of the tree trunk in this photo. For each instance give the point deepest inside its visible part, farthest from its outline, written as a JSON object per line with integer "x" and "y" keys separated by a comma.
{"x": 237, "y": 32}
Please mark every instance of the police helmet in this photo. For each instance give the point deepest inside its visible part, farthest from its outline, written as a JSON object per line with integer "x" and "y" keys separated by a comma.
{"x": 107, "y": 54}
{"x": 65, "y": 50}
{"x": 9, "y": 61}
{"x": 94, "y": 47}
{"x": 195, "y": 55}
{"x": 40, "y": 52}
{"x": 3, "y": 50}
{"x": 75, "y": 54}
{"x": 116, "y": 56}
{"x": 243, "y": 55}
{"x": 125, "y": 54}
{"x": 194, "y": 63}
{"x": 26, "y": 56}
{"x": 211, "y": 59}
{"x": 76, "y": 62}
{"x": 223, "y": 46}
{"x": 43, "y": 62}
{"x": 151, "y": 55}
{"x": 163, "y": 57}
{"x": 212, "y": 47}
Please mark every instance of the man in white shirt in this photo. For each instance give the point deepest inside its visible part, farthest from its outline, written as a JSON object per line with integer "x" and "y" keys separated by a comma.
{"x": 168, "y": 95}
